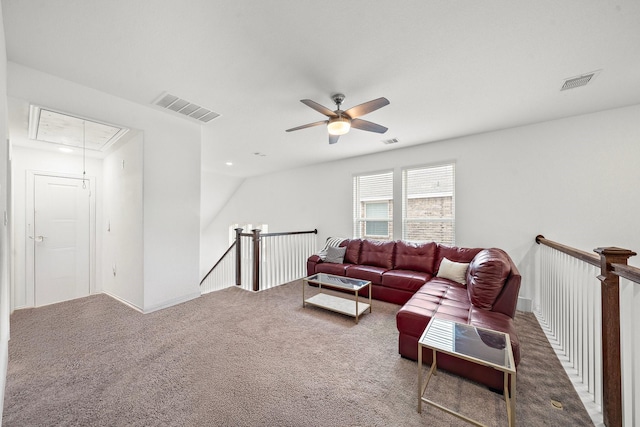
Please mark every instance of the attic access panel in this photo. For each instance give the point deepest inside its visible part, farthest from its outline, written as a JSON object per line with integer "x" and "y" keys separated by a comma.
{"x": 55, "y": 127}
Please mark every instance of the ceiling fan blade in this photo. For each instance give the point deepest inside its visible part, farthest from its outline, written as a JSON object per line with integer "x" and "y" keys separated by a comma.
{"x": 333, "y": 138}
{"x": 367, "y": 107}
{"x": 323, "y": 122}
{"x": 368, "y": 126}
{"x": 319, "y": 108}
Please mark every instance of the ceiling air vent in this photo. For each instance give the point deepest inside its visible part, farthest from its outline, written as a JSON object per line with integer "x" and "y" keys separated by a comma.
{"x": 391, "y": 141}
{"x": 185, "y": 108}
{"x": 582, "y": 80}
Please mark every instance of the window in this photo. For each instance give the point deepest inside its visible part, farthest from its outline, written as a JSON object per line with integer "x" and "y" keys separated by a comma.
{"x": 373, "y": 206}
{"x": 428, "y": 204}
{"x": 375, "y": 210}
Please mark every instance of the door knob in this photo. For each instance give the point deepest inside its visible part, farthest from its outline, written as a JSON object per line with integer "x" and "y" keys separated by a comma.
{"x": 37, "y": 238}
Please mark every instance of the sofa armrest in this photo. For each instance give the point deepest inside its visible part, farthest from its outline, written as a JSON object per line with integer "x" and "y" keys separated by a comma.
{"x": 314, "y": 258}
{"x": 312, "y": 261}
{"x": 507, "y": 301}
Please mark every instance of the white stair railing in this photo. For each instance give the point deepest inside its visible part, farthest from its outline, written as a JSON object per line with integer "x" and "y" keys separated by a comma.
{"x": 284, "y": 257}
{"x": 589, "y": 307}
{"x": 223, "y": 273}
{"x": 258, "y": 261}
{"x": 569, "y": 312}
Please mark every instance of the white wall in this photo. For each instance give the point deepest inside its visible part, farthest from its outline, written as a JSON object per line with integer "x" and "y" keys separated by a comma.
{"x": 171, "y": 177}
{"x": 5, "y": 195}
{"x": 122, "y": 228}
{"x": 571, "y": 180}
{"x": 171, "y": 214}
{"x": 217, "y": 189}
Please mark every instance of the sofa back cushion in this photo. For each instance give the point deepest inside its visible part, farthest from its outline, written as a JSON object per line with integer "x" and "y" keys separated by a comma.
{"x": 455, "y": 254}
{"x": 352, "y": 255}
{"x": 486, "y": 276}
{"x": 415, "y": 256}
{"x": 377, "y": 254}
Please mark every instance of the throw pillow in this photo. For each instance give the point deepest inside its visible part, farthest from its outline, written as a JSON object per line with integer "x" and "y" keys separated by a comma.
{"x": 322, "y": 254}
{"x": 335, "y": 255}
{"x": 456, "y": 271}
{"x": 331, "y": 241}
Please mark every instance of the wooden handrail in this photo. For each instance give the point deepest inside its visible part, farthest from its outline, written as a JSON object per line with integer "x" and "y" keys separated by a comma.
{"x": 629, "y": 272}
{"x": 218, "y": 262}
{"x": 576, "y": 253}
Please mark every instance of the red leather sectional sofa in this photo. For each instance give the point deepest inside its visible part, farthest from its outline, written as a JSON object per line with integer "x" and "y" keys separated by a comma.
{"x": 406, "y": 273}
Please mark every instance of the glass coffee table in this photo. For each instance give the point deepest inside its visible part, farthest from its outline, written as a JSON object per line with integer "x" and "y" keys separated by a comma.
{"x": 347, "y": 306}
{"x": 477, "y": 345}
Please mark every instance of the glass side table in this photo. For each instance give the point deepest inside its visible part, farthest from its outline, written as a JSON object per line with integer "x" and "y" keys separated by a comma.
{"x": 478, "y": 345}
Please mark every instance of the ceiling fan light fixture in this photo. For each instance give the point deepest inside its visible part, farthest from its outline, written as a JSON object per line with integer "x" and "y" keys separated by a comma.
{"x": 339, "y": 125}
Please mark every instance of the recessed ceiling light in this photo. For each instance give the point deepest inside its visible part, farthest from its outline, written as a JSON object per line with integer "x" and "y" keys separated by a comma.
{"x": 229, "y": 163}
{"x": 65, "y": 150}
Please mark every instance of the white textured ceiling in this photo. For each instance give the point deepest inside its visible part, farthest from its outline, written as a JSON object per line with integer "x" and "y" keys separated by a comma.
{"x": 448, "y": 68}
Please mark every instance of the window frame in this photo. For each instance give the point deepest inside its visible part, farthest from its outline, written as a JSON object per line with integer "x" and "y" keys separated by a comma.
{"x": 381, "y": 178}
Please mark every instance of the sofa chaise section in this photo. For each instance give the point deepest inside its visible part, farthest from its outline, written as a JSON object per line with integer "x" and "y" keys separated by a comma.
{"x": 484, "y": 294}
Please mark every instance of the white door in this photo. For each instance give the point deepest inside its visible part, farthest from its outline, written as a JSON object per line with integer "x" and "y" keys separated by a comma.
{"x": 61, "y": 239}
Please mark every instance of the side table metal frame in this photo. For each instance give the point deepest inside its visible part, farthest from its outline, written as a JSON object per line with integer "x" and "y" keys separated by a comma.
{"x": 509, "y": 382}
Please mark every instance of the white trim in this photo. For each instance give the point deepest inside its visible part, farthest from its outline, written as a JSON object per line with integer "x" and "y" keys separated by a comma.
{"x": 172, "y": 302}
{"x": 4, "y": 361}
{"x": 431, "y": 195}
{"x": 120, "y": 300}
{"x": 524, "y": 304}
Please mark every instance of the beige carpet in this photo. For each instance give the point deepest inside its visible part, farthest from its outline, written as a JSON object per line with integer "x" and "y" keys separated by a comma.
{"x": 235, "y": 358}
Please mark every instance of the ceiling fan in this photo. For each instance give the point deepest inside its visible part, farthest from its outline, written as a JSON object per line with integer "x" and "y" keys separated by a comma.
{"x": 340, "y": 121}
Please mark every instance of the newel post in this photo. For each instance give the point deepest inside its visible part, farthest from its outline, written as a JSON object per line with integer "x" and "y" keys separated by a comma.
{"x": 611, "y": 368}
{"x": 256, "y": 260}
{"x": 238, "y": 257}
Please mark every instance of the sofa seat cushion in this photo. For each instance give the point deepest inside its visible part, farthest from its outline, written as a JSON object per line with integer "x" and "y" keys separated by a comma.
{"x": 331, "y": 268}
{"x": 415, "y": 256}
{"x": 366, "y": 272}
{"x": 405, "y": 279}
{"x": 441, "y": 283}
{"x": 433, "y": 299}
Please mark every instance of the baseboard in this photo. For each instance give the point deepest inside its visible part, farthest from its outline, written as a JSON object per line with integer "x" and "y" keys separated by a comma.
{"x": 524, "y": 304}
{"x": 172, "y": 302}
{"x": 4, "y": 360}
{"x": 125, "y": 302}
